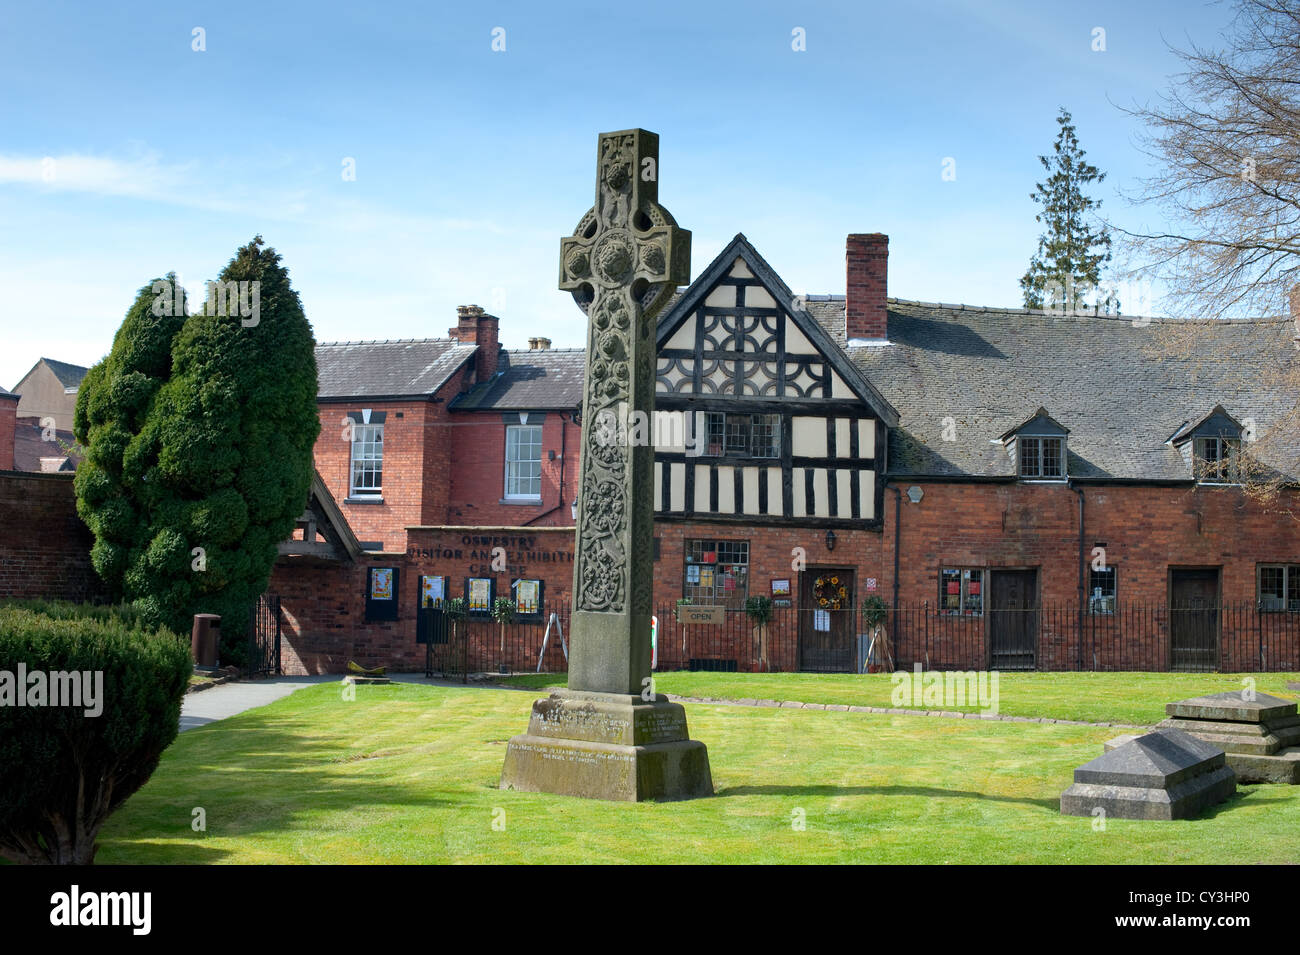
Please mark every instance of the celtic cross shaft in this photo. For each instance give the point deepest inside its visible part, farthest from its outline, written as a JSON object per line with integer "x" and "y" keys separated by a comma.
{"x": 622, "y": 263}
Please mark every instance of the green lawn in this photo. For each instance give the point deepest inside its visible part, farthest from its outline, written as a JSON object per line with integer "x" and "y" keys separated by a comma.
{"x": 407, "y": 773}
{"x": 1138, "y": 698}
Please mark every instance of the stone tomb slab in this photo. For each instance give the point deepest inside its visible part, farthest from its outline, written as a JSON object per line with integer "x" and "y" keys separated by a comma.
{"x": 1260, "y": 734}
{"x": 1164, "y": 774}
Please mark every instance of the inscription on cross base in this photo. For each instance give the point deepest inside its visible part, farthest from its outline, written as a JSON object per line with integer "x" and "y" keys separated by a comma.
{"x": 622, "y": 263}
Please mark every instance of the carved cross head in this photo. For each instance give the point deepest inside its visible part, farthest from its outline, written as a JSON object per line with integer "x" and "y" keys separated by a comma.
{"x": 627, "y": 245}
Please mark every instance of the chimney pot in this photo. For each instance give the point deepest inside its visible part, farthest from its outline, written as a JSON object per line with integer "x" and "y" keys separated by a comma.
{"x": 866, "y": 262}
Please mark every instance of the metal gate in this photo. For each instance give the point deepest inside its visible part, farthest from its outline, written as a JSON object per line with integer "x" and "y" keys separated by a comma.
{"x": 446, "y": 647}
{"x": 264, "y": 636}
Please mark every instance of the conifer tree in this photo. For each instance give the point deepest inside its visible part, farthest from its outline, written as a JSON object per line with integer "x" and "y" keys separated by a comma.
{"x": 234, "y": 426}
{"x": 1065, "y": 272}
{"x": 113, "y": 403}
{"x": 199, "y": 432}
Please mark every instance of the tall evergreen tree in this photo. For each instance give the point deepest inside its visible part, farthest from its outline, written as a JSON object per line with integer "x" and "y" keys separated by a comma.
{"x": 1065, "y": 272}
{"x": 234, "y": 426}
{"x": 199, "y": 432}
{"x": 113, "y": 403}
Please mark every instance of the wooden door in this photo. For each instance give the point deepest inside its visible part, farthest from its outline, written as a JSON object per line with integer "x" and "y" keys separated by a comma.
{"x": 827, "y": 629}
{"x": 1013, "y": 619}
{"x": 1193, "y": 620}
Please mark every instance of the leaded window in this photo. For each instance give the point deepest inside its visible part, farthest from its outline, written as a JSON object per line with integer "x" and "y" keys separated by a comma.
{"x": 1215, "y": 460}
{"x": 742, "y": 435}
{"x": 1042, "y": 458}
{"x": 961, "y": 590}
{"x": 1101, "y": 590}
{"x": 717, "y": 572}
{"x": 1279, "y": 587}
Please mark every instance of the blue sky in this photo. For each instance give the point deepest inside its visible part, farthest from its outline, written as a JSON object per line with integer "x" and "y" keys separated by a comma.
{"x": 472, "y": 163}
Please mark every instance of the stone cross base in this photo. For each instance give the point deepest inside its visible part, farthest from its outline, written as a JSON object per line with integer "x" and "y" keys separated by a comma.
{"x": 608, "y": 746}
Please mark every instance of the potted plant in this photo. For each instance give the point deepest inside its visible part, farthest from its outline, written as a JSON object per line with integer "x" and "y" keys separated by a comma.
{"x": 503, "y": 612}
{"x": 874, "y": 613}
{"x": 759, "y": 610}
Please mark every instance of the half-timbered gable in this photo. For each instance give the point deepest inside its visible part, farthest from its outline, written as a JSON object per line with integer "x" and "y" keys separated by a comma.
{"x": 765, "y": 419}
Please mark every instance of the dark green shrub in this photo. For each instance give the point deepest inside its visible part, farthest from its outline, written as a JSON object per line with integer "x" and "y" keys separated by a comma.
{"x": 62, "y": 772}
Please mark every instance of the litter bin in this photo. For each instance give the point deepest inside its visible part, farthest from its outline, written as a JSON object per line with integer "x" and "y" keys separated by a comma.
{"x": 205, "y": 638}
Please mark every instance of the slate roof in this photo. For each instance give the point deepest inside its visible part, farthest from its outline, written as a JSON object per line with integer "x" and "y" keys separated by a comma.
{"x": 533, "y": 379}
{"x": 29, "y": 447}
{"x": 407, "y": 368}
{"x": 1121, "y": 389}
{"x": 69, "y": 375}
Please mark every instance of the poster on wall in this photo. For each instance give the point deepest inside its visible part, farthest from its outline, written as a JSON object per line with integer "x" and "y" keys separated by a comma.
{"x": 381, "y": 593}
{"x": 781, "y": 587}
{"x": 478, "y": 595}
{"x": 433, "y": 591}
{"x": 528, "y": 597}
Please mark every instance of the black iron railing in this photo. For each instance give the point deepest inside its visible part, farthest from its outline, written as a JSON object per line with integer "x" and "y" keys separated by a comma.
{"x": 1225, "y": 637}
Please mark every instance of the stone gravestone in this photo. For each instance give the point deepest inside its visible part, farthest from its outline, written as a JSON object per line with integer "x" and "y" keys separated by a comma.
{"x": 1260, "y": 733}
{"x": 609, "y": 736}
{"x": 1166, "y": 774}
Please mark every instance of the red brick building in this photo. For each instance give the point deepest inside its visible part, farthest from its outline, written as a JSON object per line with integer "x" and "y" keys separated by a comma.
{"x": 1016, "y": 482}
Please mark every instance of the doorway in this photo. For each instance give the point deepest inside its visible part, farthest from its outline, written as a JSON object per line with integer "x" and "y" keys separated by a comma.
{"x": 827, "y": 621}
{"x": 1194, "y": 620}
{"x": 1013, "y": 620}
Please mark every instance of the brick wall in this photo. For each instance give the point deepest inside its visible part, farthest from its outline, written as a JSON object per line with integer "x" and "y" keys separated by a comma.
{"x": 323, "y": 604}
{"x": 477, "y": 472}
{"x": 1146, "y": 531}
{"x": 44, "y": 546}
{"x": 8, "y": 429}
{"x": 405, "y": 480}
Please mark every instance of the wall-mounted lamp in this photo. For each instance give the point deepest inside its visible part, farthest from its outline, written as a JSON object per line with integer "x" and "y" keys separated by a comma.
{"x": 914, "y": 494}
{"x": 573, "y": 509}
{"x": 830, "y": 540}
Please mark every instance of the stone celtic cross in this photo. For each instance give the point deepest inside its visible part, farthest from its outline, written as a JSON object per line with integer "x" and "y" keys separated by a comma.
{"x": 622, "y": 263}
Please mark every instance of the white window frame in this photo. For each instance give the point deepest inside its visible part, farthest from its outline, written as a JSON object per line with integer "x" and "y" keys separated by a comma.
{"x": 516, "y": 429}
{"x": 366, "y": 438}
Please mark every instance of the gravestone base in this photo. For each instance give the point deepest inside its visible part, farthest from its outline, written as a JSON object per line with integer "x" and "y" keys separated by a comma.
{"x": 1261, "y": 736}
{"x": 1165, "y": 774}
{"x": 608, "y": 746}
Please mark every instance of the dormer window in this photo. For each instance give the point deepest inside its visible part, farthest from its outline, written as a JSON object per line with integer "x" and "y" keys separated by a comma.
{"x": 1042, "y": 458}
{"x": 1038, "y": 448}
{"x": 1212, "y": 447}
{"x": 1215, "y": 460}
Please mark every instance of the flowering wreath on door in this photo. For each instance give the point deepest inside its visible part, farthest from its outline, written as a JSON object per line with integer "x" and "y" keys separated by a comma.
{"x": 830, "y": 592}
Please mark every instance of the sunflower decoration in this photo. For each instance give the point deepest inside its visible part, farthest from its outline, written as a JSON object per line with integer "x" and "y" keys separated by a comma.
{"x": 830, "y": 592}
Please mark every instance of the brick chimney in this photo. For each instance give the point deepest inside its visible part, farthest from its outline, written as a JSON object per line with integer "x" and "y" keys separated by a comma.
{"x": 8, "y": 428}
{"x": 866, "y": 262}
{"x": 476, "y": 327}
{"x": 1295, "y": 313}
